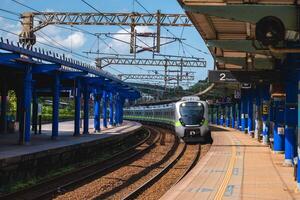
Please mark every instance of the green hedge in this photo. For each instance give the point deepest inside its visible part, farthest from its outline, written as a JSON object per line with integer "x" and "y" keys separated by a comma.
{"x": 48, "y": 117}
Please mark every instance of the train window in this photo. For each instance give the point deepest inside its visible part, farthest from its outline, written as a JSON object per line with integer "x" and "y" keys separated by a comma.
{"x": 192, "y": 113}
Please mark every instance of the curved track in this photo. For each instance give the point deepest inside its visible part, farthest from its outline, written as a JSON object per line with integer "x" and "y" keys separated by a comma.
{"x": 146, "y": 169}
{"x": 49, "y": 188}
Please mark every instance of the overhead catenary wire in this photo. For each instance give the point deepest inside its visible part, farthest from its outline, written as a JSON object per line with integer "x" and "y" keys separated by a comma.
{"x": 172, "y": 32}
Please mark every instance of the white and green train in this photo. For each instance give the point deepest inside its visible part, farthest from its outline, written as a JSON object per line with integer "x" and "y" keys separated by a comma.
{"x": 188, "y": 117}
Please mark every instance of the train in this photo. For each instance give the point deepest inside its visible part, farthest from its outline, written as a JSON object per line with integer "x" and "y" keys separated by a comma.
{"x": 188, "y": 118}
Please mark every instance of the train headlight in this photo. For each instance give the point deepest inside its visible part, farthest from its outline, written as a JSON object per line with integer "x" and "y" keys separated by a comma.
{"x": 199, "y": 104}
{"x": 183, "y": 104}
{"x": 181, "y": 122}
{"x": 202, "y": 121}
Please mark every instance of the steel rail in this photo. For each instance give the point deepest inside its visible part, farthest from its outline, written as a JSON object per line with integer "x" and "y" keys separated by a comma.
{"x": 55, "y": 190}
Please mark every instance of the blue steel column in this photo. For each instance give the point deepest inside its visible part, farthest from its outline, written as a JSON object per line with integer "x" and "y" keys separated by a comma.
{"x": 116, "y": 103}
{"x": 77, "y": 108}
{"x": 278, "y": 125}
{"x": 298, "y": 134}
{"x": 111, "y": 109}
{"x": 222, "y": 115}
{"x": 217, "y": 114}
{"x": 244, "y": 110}
{"x": 239, "y": 114}
{"x": 265, "y": 113}
{"x": 212, "y": 114}
{"x": 233, "y": 117}
{"x": 290, "y": 116}
{"x": 34, "y": 111}
{"x": 121, "y": 109}
{"x": 97, "y": 100}
{"x": 4, "y": 94}
{"x": 228, "y": 115}
{"x": 250, "y": 111}
{"x": 104, "y": 108}
{"x": 27, "y": 87}
{"x": 55, "y": 106}
{"x": 258, "y": 112}
{"x": 86, "y": 98}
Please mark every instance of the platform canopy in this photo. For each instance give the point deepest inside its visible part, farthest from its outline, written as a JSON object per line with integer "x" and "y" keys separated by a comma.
{"x": 15, "y": 58}
{"x": 229, "y": 29}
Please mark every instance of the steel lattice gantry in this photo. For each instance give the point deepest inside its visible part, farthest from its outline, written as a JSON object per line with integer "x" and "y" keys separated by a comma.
{"x": 156, "y": 77}
{"x": 34, "y": 21}
{"x": 105, "y": 61}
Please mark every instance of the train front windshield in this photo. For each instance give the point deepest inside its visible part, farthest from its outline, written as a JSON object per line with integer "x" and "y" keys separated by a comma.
{"x": 191, "y": 113}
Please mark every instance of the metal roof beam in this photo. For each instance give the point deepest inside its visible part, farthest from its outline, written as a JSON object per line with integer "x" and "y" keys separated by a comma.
{"x": 257, "y": 63}
{"x": 249, "y": 12}
{"x": 239, "y": 45}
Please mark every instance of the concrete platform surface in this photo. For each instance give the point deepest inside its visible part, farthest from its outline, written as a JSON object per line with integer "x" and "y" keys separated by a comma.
{"x": 9, "y": 142}
{"x": 237, "y": 167}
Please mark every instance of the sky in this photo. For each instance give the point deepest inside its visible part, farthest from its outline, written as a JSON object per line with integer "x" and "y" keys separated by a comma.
{"x": 75, "y": 43}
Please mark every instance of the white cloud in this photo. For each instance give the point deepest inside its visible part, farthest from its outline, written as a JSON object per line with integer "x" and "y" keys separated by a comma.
{"x": 10, "y": 26}
{"x": 70, "y": 39}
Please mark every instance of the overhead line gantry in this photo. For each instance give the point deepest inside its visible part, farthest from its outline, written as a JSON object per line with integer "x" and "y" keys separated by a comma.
{"x": 34, "y": 21}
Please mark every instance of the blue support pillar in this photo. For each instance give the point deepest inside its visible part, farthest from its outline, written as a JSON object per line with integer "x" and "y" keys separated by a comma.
{"x": 222, "y": 115}
{"x": 258, "y": 112}
{"x": 239, "y": 114}
{"x": 34, "y": 112}
{"x": 86, "y": 116}
{"x": 27, "y": 88}
{"x": 77, "y": 107}
{"x": 250, "y": 112}
{"x": 278, "y": 125}
{"x": 265, "y": 113}
{"x": 217, "y": 114}
{"x": 3, "y": 118}
{"x": 116, "y": 110}
{"x": 104, "y": 108}
{"x": 55, "y": 106}
{"x": 97, "y": 101}
{"x": 244, "y": 114}
{"x": 290, "y": 116}
{"x": 111, "y": 109}
{"x": 233, "y": 118}
{"x": 298, "y": 134}
{"x": 212, "y": 114}
{"x": 228, "y": 115}
{"x": 121, "y": 109}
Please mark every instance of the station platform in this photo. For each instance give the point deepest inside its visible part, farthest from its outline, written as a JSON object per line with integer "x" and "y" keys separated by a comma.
{"x": 237, "y": 167}
{"x": 42, "y": 142}
{"x": 44, "y": 156}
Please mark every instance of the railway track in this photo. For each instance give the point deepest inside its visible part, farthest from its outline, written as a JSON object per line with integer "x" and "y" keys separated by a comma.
{"x": 146, "y": 170}
{"x": 117, "y": 183}
{"x": 168, "y": 176}
{"x": 49, "y": 188}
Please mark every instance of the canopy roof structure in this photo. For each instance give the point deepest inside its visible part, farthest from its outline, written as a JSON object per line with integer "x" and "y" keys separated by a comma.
{"x": 229, "y": 29}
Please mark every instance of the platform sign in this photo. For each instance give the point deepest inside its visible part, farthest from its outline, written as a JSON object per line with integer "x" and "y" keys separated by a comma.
{"x": 40, "y": 109}
{"x": 246, "y": 85}
{"x": 237, "y": 94}
{"x": 265, "y": 109}
{"x": 221, "y": 76}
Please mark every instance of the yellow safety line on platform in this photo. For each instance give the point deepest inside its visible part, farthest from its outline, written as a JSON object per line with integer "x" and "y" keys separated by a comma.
{"x": 228, "y": 174}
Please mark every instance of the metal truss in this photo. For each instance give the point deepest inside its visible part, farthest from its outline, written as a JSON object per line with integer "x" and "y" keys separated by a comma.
{"x": 105, "y": 61}
{"x": 156, "y": 77}
{"x": 126, "y": 19}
